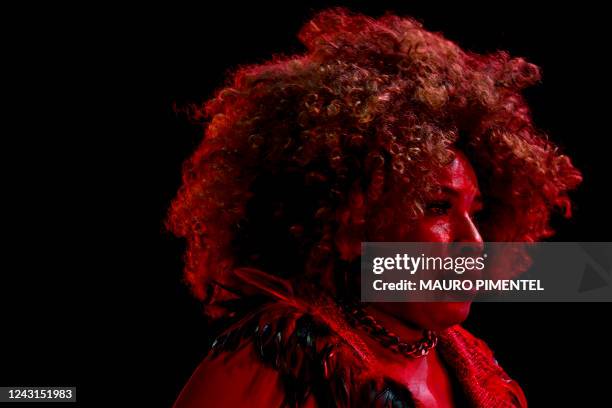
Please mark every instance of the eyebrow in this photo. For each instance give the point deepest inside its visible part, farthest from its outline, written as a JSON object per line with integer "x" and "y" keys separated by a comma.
{"x": 451, "y": 191}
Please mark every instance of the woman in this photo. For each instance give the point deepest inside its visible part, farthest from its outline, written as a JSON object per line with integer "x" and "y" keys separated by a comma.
{"x": 380, "y": 131}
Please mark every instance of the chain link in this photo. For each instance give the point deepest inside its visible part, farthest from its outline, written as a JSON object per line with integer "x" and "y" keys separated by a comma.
{"x": 358, "y": 317}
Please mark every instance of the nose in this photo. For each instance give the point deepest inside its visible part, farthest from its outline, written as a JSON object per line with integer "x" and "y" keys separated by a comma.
{"x": 467, "y": 232}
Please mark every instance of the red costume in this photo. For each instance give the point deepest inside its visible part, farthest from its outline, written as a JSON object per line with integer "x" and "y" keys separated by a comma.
{"x": 288, "y": 354}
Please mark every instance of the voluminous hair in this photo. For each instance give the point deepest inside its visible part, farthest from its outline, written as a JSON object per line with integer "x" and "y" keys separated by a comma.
{"x": 306, "y": 156}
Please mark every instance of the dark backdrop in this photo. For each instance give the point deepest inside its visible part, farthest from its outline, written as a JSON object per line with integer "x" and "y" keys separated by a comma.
{"x": 93, "y": 288}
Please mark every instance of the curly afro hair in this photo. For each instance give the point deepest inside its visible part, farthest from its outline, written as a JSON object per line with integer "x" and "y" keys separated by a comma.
{"x": 306, "y": 156}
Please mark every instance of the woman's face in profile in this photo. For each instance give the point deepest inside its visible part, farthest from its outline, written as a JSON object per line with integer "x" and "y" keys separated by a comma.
{"x": 450, "y": 214}
{"x": 449, "y": 217}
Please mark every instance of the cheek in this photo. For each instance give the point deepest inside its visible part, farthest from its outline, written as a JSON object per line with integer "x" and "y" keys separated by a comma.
{"x": 436, "y": 229}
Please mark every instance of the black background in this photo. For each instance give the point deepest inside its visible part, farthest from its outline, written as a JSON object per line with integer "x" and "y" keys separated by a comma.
{"x": 91, "y": 291}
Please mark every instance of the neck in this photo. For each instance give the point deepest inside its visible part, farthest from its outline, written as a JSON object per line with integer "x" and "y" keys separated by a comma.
{"x": 406, "y": 331}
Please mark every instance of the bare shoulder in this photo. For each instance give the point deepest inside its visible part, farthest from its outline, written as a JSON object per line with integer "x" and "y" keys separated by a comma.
{"x": 231, "y": 379}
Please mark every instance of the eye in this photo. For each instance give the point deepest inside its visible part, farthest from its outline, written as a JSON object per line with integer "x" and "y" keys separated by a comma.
{"x": 438, "y": 207}
{"x": 477, "y": 216}
{"x": 480, "y": 215}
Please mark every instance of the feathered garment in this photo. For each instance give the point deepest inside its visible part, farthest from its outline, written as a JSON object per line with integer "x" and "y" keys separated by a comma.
{"x": 289, "y": 353}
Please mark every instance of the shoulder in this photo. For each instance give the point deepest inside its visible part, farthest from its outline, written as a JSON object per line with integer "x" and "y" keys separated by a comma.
{"x": 482, "y": 378}
{"x": 278, "y": 355}
{"x": 231, "y": 379}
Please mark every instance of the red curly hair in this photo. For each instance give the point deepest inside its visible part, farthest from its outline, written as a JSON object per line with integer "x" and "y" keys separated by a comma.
{"x": 306, "y": 156}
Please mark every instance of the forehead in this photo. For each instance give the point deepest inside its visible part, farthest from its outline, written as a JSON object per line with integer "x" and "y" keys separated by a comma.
{"x": 459, "y": 175}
